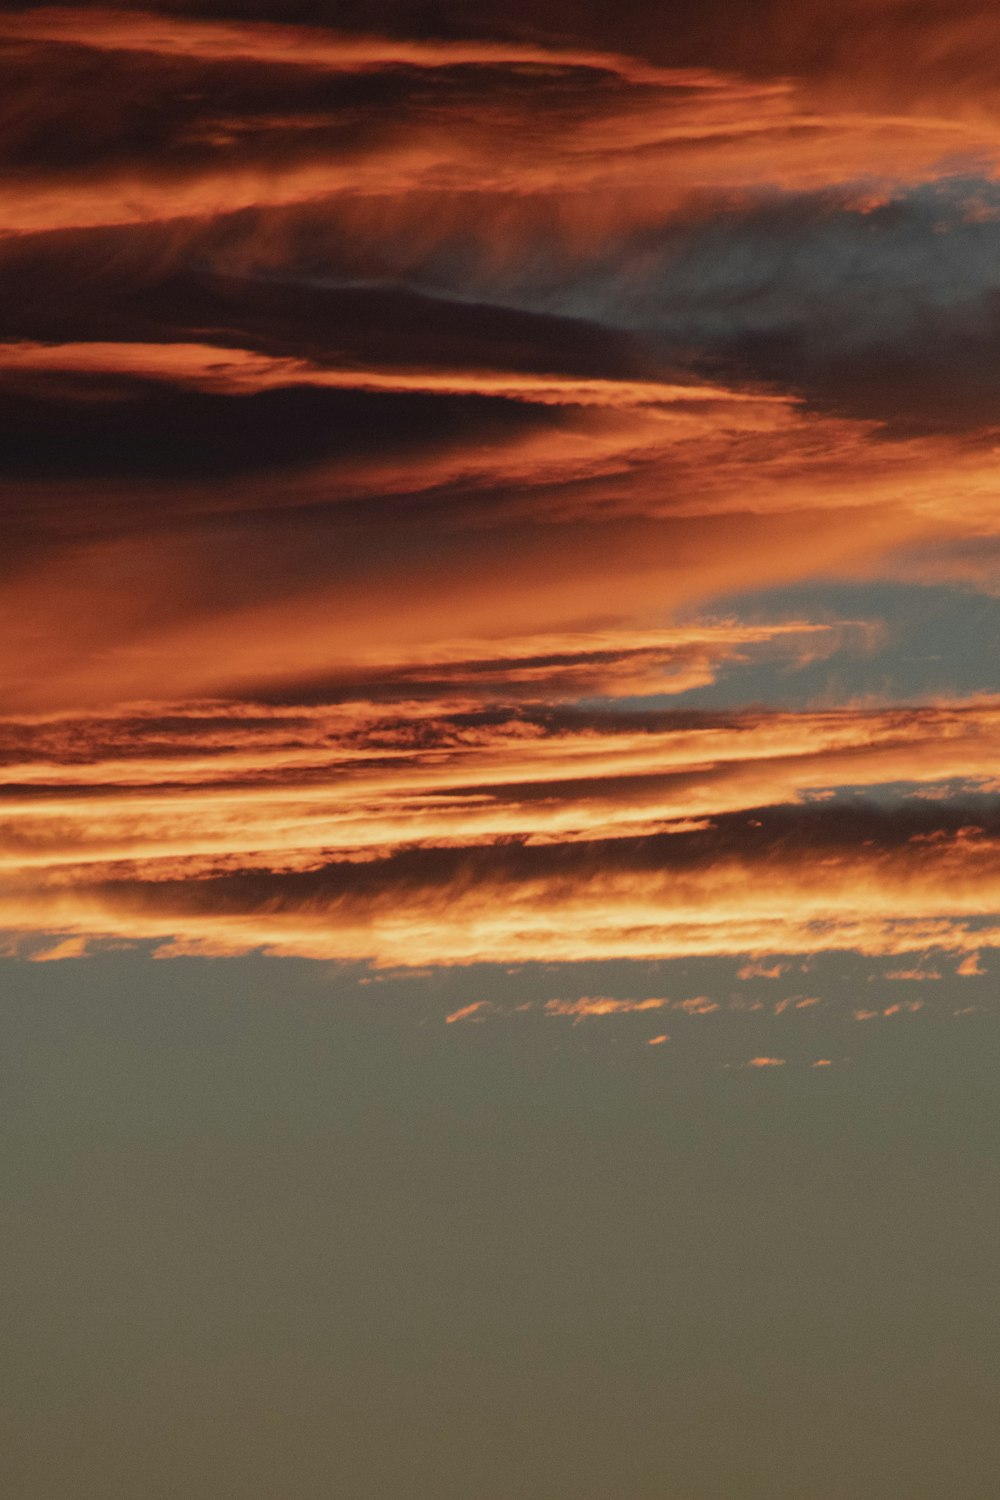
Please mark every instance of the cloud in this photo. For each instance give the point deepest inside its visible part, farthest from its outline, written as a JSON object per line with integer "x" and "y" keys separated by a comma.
{"x": 72, "y": 947}
{"x": 600, "y": 1005}
{"x": 466, "y": 1012}
{"x": 252, "y": 782}
{"x": 221, "y": 118}
{"x": 120, "y": 30}
{"x": 698, "y": 1005}
{"x": 384, "y": 408}
{"x": 198, "y": 532}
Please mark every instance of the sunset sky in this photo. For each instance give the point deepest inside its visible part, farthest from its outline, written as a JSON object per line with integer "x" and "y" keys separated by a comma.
{"x": 500, "y": 748}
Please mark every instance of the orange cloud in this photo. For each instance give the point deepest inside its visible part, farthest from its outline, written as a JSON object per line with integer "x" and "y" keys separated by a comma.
{"x": 614, "y": 489}
{"x": 121, "y": 30}
{"x": 466, "y": 1012}
{"x": 358, "y": 481}
{"x": 600, "y": 1005}
{"x": 787, "y": 880}
{"x": 647, "y": 136}
{"x": 73, "y": 947}
{"x": 235, "y": 371}
{"x": 443, "y": 906}
{"x": 698, "y": 1005}
{"x": 213, "y": 785}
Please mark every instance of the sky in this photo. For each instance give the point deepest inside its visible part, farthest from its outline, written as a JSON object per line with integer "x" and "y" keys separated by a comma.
{"x": 499, "y": 729}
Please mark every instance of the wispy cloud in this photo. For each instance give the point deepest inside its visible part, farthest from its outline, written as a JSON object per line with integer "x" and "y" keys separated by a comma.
{"x": 467, "y": 1012}
{"x": 600, "y": 1005}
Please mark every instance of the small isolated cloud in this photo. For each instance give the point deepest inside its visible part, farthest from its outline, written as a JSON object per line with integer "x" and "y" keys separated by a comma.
{"x": 657, "y": 1041}
{"x": 698, "y": 1005}
{"x": 902, "y": 1007}
{"x": 766, "y": 1062}
{"x": 866, "y": 1015}
{"x": 823, "y": 1062}
{"x": 970, "y": 967}
{"x": 468, "y": 1011}
{"x": 71, "y": 947}
{"x": 799, "y": 1002}
{"x": 762, "y": 971}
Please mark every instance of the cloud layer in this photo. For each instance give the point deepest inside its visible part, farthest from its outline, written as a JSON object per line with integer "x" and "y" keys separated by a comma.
{"x": 385, "y": 406}
{"x": 430, "y": 835}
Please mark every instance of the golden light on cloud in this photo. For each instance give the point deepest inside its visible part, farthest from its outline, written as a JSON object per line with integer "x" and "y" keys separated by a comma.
{"x": 466, "y": 1012}
{"x": 600, "y": 1005}
{"x": 456, "y": 835}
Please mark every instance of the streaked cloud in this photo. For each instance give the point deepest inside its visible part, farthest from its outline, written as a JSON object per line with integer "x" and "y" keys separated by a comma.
{"x": 600, "y": 1005}
{"x": 467, "y": 1012}
{"x": 387, "y": 407}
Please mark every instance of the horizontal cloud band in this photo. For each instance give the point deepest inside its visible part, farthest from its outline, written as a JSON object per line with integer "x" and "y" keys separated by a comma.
{"x": 428, "y": 835}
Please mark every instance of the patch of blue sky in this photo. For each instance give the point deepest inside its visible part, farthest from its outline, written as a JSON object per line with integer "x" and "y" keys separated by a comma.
{"x": 850, "y": 275}
{"x": 920, "y": 644}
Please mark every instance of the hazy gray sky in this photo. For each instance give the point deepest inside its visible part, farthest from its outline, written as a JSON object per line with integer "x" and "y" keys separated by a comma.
{"x": 269, "y": 1233}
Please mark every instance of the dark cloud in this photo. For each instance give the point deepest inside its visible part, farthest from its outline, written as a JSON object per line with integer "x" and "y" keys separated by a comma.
{"x": 122, "y": 285}
{"x": 145, "y": 429}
